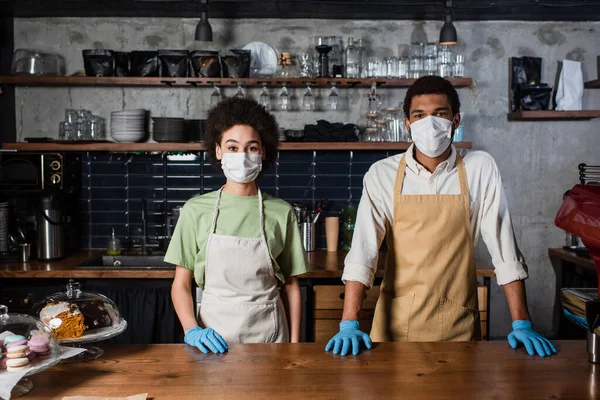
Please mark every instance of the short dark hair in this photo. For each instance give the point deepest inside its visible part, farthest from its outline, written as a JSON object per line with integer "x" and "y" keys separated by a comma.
{"x": 236, "y": 111}
{"x": 431, "y": 84}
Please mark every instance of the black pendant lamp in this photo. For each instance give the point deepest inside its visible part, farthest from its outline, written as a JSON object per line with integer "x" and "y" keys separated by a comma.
{"x": 448, "y": 33}
{"x": 203, "y": 29}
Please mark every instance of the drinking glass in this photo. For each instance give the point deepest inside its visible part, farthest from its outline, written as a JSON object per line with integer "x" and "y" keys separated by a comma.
{"x": 97, "y": 128}
{"x": 265, "y": 98}
{"x": 240, "y": 92}
{"x": 458, "y": 70}
{"x": 374, "y": 101}
{"x": 284, "y": 99}
{"x": 306, "y": 65}
{"x": 215, "y": 97}
{"x": 333, "y": 98}
{"x": 308, "y": 102}
{"x": 403, "y": 65}
{"x": 65, "y": 131}
{"x": 71, "y": 116}
{"x": 392, "y": 67}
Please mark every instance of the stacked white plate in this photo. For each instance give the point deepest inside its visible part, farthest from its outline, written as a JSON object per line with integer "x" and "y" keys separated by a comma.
{"x": 3, "y": 227}
{"x": 128, "y": 125}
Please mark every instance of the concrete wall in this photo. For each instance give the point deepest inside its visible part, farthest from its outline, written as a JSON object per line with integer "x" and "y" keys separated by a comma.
{"x": 538, "y": 160}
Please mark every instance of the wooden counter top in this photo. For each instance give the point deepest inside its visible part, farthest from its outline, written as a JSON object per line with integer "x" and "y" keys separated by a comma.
{"x": 448, "y": 370}
{"x": 323, "y": 265}
{"x": 572, "y": 257}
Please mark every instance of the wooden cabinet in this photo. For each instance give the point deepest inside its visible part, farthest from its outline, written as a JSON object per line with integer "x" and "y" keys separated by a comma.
{"x": 329, "y": 303}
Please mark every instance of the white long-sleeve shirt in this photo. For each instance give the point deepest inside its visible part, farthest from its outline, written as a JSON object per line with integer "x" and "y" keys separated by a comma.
{"x": 488, "y": 211}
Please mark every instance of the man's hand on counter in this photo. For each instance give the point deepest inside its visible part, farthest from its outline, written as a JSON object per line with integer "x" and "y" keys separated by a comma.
{"x": 349, "y": 334}
{"x": 205, "y": 339}
{"x": 534, "y": 342}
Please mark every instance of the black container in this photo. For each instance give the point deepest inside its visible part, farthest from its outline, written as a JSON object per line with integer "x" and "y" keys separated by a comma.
{"x": 143, "y": 63}
{"x": 236, "y": 64}
{"x": 121, "y": 63}
{"x": 173, "y": 63}
{"x": 205, "y": 64}
{"x": 98, "y": 62}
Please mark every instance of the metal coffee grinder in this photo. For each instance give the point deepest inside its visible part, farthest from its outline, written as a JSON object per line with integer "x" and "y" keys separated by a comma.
{"x": 50, "y": 226}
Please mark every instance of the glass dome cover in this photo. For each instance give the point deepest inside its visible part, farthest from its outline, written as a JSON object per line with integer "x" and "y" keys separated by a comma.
{"x": 26, "y": 344}
{"x": 76, "y": 316}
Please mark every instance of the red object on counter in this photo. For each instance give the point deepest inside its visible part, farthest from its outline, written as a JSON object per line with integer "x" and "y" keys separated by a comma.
{"x": 579, "y": 214}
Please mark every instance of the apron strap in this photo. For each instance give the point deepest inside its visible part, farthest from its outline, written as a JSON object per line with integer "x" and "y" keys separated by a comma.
{"x": 216, "y": 212}
{"x": 462, "y": 175}
{"x": 460, "y": 166}
{"x": 399, "y": 181}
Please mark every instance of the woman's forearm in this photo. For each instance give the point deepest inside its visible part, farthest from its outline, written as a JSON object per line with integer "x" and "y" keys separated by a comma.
{"x": 181, "y": 294}
{"x": 293, "y": 303}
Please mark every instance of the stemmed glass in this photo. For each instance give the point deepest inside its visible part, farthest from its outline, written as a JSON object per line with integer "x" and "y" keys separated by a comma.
{"x": 215, "y": 97}
{"x": 284, "y": 98}
{"x": 240, "y": 92}
{"x": 265, "y": 98}
{"x": 333, "y": 98}
{"x": 308, "y": 102}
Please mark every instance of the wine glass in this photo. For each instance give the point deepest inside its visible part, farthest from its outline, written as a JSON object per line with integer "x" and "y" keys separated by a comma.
{"x": 265, "y": 98}
{"x": 284, "y": 98}
{"x": 215, "y": 97}
{"x": 308, "y": 102}
{"x": 240, "y": 92}
{"x": 333, "y": 98}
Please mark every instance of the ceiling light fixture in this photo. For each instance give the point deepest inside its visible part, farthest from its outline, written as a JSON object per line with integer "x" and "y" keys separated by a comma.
{"x": 448, "y": 33}
{"x": 203, "y": 29}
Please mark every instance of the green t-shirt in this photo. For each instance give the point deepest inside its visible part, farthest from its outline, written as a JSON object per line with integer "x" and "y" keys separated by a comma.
{"x": 238, "y": 216}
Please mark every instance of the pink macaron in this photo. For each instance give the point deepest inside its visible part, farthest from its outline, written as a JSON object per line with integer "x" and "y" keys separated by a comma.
{"x": 16, "y": 343}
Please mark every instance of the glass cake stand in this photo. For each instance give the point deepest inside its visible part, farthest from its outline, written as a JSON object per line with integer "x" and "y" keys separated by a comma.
{"x": 78, "y": 318}
{"x": 28, "y": 326}
{"x": 95, "y": 336}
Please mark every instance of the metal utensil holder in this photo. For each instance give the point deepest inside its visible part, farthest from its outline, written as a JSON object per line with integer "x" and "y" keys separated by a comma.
{"x": 308, "y": 235}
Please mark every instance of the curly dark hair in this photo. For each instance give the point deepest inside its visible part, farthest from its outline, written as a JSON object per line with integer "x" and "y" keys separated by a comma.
{"x": 431, "y": 84}
{"x": 236, "y": 111}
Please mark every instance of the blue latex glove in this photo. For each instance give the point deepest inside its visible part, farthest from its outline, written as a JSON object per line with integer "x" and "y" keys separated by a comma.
{"x": 577, "y": 320}
{"x": 349, "y": 334}
{"x": 205, "y": 339}
{"x": 523, "y": 332}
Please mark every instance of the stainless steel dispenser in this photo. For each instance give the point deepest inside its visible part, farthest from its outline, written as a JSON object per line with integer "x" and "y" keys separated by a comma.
{"x": 50, "y": 228}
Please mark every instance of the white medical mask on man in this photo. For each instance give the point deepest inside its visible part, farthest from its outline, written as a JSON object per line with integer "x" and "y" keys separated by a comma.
{"x": 432, "y": 135}
{"x": 241, "y": 167}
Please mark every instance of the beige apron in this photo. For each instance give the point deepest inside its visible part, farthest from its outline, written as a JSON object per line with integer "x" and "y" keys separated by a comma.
{"x": 241, "y": 297}
{"x": 429, "y": 291}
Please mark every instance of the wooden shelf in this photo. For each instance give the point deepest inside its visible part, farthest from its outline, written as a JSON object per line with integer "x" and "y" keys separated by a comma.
{"x": 147, "y": 147}
{"x": 547, "y": 115}
{"x": 592, "y": 84}
{"x": 209, "y": 82}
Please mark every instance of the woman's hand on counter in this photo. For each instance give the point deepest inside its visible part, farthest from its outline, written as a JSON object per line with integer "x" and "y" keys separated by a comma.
{"x": 206, "y": 339}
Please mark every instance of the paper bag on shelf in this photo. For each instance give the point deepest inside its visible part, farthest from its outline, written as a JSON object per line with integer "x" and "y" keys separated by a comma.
{"x": 569, "y": 93}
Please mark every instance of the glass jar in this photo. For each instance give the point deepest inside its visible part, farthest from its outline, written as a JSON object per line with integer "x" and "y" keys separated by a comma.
{"x": 287, "y": 67}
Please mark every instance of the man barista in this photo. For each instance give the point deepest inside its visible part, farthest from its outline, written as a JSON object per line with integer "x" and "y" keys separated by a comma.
{"x": 431, "y": 204}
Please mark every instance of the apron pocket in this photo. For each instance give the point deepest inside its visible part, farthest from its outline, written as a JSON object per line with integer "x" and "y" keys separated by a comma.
{"x": 243, "y": 322}
{"x": 458, "y": 323}
{"x": 391, "y": 319}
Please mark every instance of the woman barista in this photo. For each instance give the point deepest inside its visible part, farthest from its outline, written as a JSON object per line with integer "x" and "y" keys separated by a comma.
{"x": 238, "y": 243}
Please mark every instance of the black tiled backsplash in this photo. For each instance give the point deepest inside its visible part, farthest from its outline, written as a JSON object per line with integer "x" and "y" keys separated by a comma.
{"x": 114, "y": 184}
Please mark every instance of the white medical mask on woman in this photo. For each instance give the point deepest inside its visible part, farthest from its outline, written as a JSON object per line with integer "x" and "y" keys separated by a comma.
{"x": 241, "y": 167}
{"x": 432, "y": 135}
